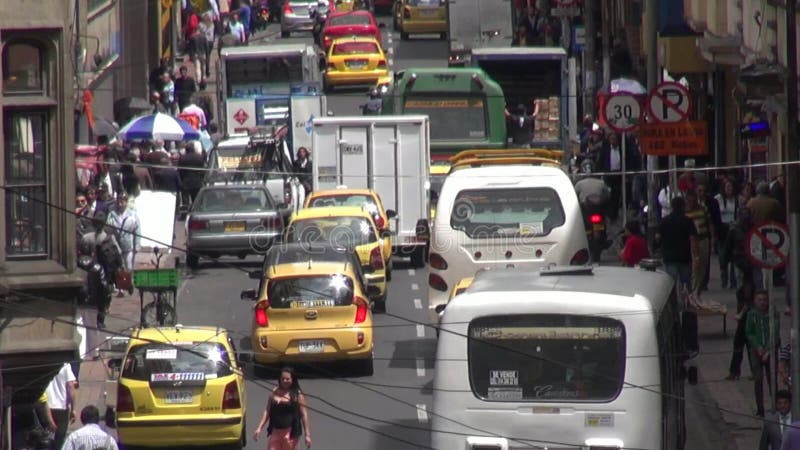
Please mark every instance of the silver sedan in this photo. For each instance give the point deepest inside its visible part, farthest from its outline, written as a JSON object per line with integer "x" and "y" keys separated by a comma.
{"x": 231, "y": 220}
{"x": 296, "y": 16}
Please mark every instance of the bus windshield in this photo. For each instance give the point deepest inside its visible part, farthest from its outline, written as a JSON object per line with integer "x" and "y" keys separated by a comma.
{"x": 247, "y": 77}
{"x": 546, "y": 358}
{"x": 451, "y": 118}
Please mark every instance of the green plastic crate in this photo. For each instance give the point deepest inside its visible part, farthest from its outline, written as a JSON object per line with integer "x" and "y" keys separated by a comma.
{"x": 156, "y": 278}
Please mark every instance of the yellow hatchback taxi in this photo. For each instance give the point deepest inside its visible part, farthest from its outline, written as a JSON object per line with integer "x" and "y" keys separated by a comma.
{"x": 421, "y": 17}
{"x": 353, "y": 61}
{"x": 181, "y": 386}
{"x": 348, "y": 227}
{"x": 311, "y": 311}
{"x": 369, "y": 200}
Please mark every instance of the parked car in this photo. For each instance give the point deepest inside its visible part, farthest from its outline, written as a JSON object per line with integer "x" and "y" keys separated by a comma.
{"x": 355, "y": 23}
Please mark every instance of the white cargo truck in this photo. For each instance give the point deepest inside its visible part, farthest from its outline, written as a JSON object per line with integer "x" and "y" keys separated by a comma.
{"x": 388, "y": 154}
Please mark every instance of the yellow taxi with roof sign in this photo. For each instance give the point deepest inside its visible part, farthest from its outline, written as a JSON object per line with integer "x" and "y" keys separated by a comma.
{"x": 181, "y": 386}
{"x": 355, "y": 60}
{"x": 420, "y": 17}
{"x": 348, "y": 227}
{"x": 310, "y": 311}
{"x": 366, "y": 198}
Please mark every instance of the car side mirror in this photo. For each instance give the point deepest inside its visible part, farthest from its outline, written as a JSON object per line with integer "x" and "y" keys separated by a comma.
{"x": 248, "y": 295}
{"x": 373, "y": 291}
{"x": 390, "y": 213}
{"x": 254, "y": 274}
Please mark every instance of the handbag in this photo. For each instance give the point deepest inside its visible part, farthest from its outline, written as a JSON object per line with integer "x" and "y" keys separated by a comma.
{"x": 123, "y": 280}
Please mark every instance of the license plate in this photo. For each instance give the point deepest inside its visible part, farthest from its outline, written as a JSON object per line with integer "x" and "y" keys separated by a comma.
{"x": 356, "y": 64}
{"x": 232, "y": 227}
{"x": 316, "y": 346}
{"x": 598, "y": 227}
{"x": 178, "y": 397}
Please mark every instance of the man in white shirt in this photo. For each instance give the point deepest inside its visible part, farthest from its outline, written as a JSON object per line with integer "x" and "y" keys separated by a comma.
{"x": 60, "y": 399}
{"x": 90, "y": 436}
{"x": 778, "y": 423}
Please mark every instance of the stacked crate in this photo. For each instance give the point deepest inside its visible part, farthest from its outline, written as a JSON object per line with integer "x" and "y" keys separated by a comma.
{"x": 548, "y": 122}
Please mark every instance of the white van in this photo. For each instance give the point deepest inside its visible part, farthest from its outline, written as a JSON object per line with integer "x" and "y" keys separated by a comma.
{"x": 565, "y": 358}
{"x": 498, "y": 216}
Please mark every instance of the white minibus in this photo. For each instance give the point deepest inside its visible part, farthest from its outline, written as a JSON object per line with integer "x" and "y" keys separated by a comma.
{"x": 564, "y": 358}
{"x": 499, "y": 216}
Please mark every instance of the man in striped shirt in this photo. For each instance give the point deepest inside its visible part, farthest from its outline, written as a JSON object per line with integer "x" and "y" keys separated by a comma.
{"x": 90, "y": 436}
{"x": 705, "y": 233}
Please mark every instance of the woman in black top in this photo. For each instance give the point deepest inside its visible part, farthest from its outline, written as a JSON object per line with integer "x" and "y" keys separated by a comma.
{"x": 286, "y": 414}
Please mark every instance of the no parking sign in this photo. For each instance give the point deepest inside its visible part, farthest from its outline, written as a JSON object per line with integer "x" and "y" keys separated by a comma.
{"x": 768, "y": 245}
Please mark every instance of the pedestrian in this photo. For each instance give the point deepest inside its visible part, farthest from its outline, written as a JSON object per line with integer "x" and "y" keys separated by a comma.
{"x": 193, "y": 110}
{"x": 192, "y": 175}
{"x": 167, "y": 93}
{"x": 791, "y": 439}
{"x": 687, "y": 180}
{"x": 705, "y": 235}
{"x": 90, "y": 436}
{"x": 206, "y": 28}
{"x": 665, "y": 195}
{"x": 521, "y": 125}
{"x": 746, "y": 192}
{"x": 609, "y": 160}
{"x": 60, "y": 400}
{"x": 777, "y": 423}
{"x": 245, "y": 16}
{"x": 127, "y": 229}
{"x": 728, "y": 207}
{"x": 185, "y": 87}
{"x": 735, "y": 248}
{"x": 777, "y": 189}
{"x": 712, "y": 210}
{"x": 237, "y": 29}
{"x": 677, "y": 238}
{"x": 634, "y": 249}
{"x": 158, "y": 106}
{"x": 104, "y": 249}
{"x": 757, "y": 330}
{"x": 286, "y": 415}
{"x": 764, "y": 207}
{"x": 744, "y": 302}
{"x": 302, "y": 168}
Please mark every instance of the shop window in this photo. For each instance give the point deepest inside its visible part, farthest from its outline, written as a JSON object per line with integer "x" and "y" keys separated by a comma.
{"x": 25, "y": 166}
{"x": 23, "y": 68}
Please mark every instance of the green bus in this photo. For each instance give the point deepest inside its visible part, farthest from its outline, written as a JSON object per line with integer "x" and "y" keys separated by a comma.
{"x": 465, "y": 106}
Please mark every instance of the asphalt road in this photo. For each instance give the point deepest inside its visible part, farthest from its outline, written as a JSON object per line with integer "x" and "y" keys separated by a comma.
{"x": 389, "y": 410}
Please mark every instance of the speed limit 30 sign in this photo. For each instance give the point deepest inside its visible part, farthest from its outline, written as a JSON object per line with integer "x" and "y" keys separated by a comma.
{"x": 623, "y": 112}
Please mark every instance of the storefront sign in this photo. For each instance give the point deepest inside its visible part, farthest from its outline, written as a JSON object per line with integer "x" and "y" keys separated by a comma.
{"x": 678, "y": 138}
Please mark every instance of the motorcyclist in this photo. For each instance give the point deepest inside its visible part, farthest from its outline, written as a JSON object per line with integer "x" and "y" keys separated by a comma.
{"x": 374, "y": 103}
{"x": 593, "y": 193}
{"x": 106, "y": 260}
{"x": 319, "y": 14}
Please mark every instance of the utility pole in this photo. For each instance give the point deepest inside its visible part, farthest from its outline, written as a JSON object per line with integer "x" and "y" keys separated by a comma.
{"x": 588, "y": 59}
{"x": 792, "y": 172}
{"x": 605, "y": 31}
{"x": 652, "y": 80}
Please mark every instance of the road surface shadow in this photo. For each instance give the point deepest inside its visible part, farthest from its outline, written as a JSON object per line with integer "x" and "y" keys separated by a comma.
{"x": 406, "y": 353}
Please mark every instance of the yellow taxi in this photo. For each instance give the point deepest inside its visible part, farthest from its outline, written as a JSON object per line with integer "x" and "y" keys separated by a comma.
{"x": 355, "y": 60}
{"x": 181, "y": 386}
{"x": 348, "y": 227}
{"x": 460, "y": 287}
{"x": 365, "y": 198}
{"x": 420, "y": 17}
{"x": 311, "y": 311}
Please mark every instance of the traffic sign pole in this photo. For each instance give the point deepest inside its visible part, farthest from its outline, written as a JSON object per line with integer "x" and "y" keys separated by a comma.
{"x": 773, "y": 374}
{"x": 624, "y": 185}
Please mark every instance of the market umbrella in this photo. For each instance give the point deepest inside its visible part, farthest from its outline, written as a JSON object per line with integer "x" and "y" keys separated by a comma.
{"x": 627, "y": 85}
{"x": 104, "y": 127}
{"x": 158, "y": 126}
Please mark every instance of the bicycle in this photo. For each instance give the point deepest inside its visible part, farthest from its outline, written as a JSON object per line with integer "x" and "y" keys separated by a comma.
{"x": 163, "y": 285}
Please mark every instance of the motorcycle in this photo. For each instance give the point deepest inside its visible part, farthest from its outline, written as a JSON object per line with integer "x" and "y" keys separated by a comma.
{"x": 262, "y": 15}
{"x": 319, "y": 15}
{"x": 594, "y": 218}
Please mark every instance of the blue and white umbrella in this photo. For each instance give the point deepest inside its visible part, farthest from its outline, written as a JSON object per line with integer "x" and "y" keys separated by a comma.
{"x": 158, "y": 126}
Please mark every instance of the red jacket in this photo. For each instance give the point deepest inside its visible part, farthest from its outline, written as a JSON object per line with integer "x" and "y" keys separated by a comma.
{"x": 635, "y": 250}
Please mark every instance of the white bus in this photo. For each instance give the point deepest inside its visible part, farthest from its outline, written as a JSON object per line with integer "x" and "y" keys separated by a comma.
{"x": 566, "y": 358}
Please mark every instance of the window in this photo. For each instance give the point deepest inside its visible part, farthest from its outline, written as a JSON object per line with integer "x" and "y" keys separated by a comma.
{"x": 349, "y": 19}
{"x": 310, "y": 292}
{"x": 150, "y": 361}
{"x": 341, "y": 231}
{"x": 23, "y": 68}
{"x": 484, "y": 213}
{"x": 546, "y": 358}
{"x": 26, "y": 183}
{"x": 451, "y": 118}
{"x": 355, "y": 48}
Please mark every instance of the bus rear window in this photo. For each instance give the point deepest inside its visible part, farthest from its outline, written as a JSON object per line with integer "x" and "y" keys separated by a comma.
{"x": 515, "y": 212}
{"x": 546, "y": 358}
{"x": 451, "y": 118}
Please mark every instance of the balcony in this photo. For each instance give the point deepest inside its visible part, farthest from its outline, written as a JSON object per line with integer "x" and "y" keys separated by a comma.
{"x": 721, "y": 50}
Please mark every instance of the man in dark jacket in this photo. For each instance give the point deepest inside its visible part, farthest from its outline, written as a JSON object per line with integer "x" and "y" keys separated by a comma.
{"x": 190, "y": 169}
{"x": 185, "y": 87}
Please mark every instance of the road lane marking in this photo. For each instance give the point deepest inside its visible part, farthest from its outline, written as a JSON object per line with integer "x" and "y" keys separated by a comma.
{"x": 418, "y": 303}
{"x": 390, "y": 50}
{"x": 414, "y": 287}
{"x": 421, "y": 331}
{"x": 422, "y": 413}
{"x": 420, "y": 367}
{"x": 391, "y": 62}
{"x": 411, "y": 272}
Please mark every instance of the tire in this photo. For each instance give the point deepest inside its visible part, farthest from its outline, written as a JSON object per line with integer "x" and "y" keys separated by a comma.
{"x": 418, "y": 257}
{"x": 168, "y": 315}
{"x": 380, "y": 304}
{"x": 366, "y": 367}
{"x": 192, "y": 260}
{"x": 443, "y": 36}
{"x": 403, "y": 36}
{"x": 389, "y": 268}
{"x": 285, "y": 34}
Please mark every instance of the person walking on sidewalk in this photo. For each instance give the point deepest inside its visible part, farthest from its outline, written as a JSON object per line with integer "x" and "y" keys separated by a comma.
{"x": 127, "y": 230}
{"x": 698, "y": 213}
{"x": 776, "y": 424}
{"x": 744, "y": 302}
{"x": 60, "y": 400}
{"x": 90, "y": 436}
{"x": 104, "y": 249}
{"x": 677, "y": 238}
{"x": 757, "y": 330}
{"x": 285, "y": 416}
{"x": 728, "y": 213}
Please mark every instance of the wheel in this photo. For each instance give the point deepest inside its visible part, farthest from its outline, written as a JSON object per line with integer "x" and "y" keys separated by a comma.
{"x": 418, "y": 257}
{"x": 443, "y": 36}
{"x": 404, "y": 36}
{"x": 152, "y": 318}
{"x": 285, "y": 34}
{"x": 192, "y": 260}
{"x": 389, "y": 268}
{"x": 379, "y": 304}
{"x": 366, "y": 367}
